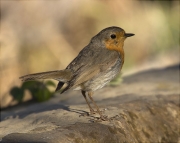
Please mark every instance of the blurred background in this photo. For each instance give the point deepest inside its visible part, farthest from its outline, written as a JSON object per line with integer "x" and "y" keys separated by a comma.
{"x": 46, "y": 35}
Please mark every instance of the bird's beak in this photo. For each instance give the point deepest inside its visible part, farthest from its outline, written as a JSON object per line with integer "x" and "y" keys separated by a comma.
{"x": 129, "y": 34}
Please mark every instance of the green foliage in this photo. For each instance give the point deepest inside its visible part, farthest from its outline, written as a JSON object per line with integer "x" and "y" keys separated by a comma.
{"x": 39, "y": 90}
{"x": 17, "y": 93}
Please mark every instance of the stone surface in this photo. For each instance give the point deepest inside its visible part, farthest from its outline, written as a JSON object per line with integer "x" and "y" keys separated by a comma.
{"x": 144, "y": 108}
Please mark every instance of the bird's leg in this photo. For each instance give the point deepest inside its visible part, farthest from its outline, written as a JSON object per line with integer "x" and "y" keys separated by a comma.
{"x": 104, "y": 118}
{"x": 90, "y": 108}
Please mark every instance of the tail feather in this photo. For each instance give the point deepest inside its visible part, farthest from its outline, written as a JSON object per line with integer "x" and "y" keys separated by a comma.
{"x": 60, "y": 75}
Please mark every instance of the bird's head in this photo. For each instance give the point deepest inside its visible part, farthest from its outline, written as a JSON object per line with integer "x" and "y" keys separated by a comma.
{"x": 113, "y": 38}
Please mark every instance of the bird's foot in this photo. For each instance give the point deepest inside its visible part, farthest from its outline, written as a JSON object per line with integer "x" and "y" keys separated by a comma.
{"x": 96, "y": 112}
{"x": 92, "y": 112}
{"x": 101, "y": 118}
{"x": 88, "y": 113}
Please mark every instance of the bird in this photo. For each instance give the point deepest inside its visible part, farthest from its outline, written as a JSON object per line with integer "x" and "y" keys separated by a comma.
{"x": 95, "y": 66}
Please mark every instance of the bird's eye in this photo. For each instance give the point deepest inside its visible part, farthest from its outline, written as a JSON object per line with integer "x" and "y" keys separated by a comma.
{"x": 113, "y": 36}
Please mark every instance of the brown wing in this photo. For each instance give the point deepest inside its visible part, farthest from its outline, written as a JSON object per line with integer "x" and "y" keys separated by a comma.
{"x": 90, "y": 62}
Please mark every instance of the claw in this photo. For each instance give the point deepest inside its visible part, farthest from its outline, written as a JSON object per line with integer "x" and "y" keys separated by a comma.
{"x": 104, "y": 118}
{"x": 100, "y": 119}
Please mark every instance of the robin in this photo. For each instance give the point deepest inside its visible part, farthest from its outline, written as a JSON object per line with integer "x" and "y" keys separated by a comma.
{"x": 95, "y": 66}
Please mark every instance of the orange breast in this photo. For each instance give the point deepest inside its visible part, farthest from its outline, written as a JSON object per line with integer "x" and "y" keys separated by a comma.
{"x": 116, "y": 46}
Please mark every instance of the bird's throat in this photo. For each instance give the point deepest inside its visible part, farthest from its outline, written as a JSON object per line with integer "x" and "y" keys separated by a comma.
{"x": 116, "y": 47}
